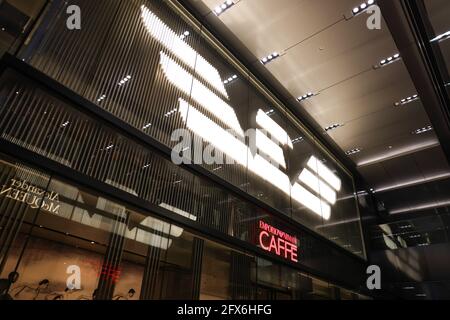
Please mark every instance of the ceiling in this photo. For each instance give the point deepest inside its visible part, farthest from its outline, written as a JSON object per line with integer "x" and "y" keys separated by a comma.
{"x": 325, "y": 50}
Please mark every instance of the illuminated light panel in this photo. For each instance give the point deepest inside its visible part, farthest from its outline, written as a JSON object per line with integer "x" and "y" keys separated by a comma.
{"x": 223, "y": 7}
{"x": 396, "y": 57}
{"x": 441, "y": 37}
{"x": 230, "y": 79}
{"x": 423, "y": 130}
{"x": 310, "y": 201}
{"x": 270, "y": 58}
{"x": 270, "y": 148}
{"x": 326, "y": 174}
{"x": 333, "y": 127}
{"x": 201, "y": 94}
{"x": 362, "y": 7}
{"x": 208, "y": 130}
{"x": 307, "y": 96}
{"x": 352, "y": 152}
{"x": 407, "y": 100}
{"x": 277, "y": 132}
{"x": 317, "y": 185}
{"x": 172, "y": 42}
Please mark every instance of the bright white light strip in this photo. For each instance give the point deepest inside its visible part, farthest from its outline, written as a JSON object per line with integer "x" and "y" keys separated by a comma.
{"x": 316, "y": 184}
{"x": 277, "y": 132}
{"x": 172, "y": 42}
{"x": 311, "y": 201}
{"x": 178, "y": 211}
{"x": 400, "y": 152}
{"x": 201, "y": 94}
{"x": 414, "y": 182}
{"x": 270, "y": 148}
{"x": 441, "y": 37}
{"x": 326, "y": 174}
{"x": 424, "y": 206}
{"x": 208, "y": 130}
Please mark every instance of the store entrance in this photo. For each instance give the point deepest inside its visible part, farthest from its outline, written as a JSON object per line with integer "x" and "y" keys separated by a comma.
{"x": 267, "y": 293}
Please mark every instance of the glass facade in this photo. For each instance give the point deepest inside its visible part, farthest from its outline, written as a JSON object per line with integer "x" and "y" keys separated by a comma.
{"x": 52, "y": 229}
{"x": 145, "y": 73}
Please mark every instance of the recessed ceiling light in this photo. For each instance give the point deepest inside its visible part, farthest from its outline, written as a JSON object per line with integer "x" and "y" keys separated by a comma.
{"x": 230, "y": 79}
{"x": 270, "y": 112}
{"x": 441, "y": 37}
{"x": 298, "y": 140}
{"x": 102, "y": 97}
{"x": 270, "y": 58}
{"x": 407, "y": 100}
{"x": 184, "y": 35}
{"x": 333, "y": 127}
{"x": 223, "y": 7}
{"x": 148, "y": 125}
{"x": 423, "y": 130}
{"x": 124, "y": 80}
{"x": 307, "y": 96}
{"x": 170, "y": 113}
{"x": 362, "y": 7}
{"x": 388, "y": 60}
{"x": 352, "y": 152}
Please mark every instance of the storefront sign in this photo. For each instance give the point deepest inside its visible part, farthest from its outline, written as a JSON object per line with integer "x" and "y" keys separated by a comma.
{"x": 35, "y": 197}
{"x": 278, "y": 242}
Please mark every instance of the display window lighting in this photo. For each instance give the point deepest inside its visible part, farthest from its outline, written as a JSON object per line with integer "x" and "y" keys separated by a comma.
{"x": 223, "y": 7}
{"x": 407, "y": 100}
{"x": 124, "y": 81}
{"x": 441, "y": 37}
{"x": 423, "y": 130}
{"x": 270, "y": 58}
{"x": 230, "y": 79}
{"x": 306, "y": 96}
{"x": 391, "y": 59}
{"x": 333, "y": 127}
{"x": 352, "y": 152}
{"x": 362, "y": 7}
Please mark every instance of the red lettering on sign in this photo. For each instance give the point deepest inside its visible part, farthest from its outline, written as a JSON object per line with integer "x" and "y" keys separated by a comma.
{"x": 278, "y": 242}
